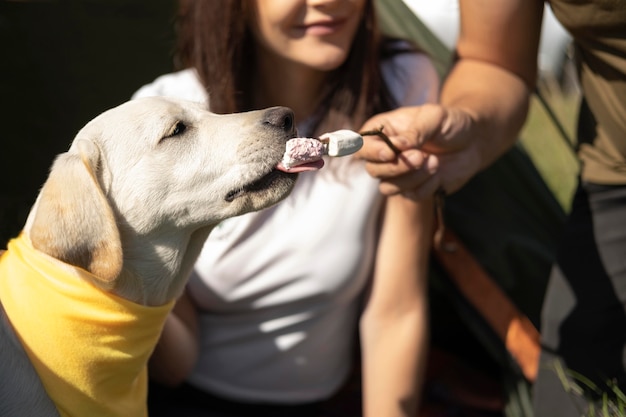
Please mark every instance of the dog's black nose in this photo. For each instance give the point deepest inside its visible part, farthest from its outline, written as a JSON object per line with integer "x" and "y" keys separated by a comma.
{"x": 280, "y": 117}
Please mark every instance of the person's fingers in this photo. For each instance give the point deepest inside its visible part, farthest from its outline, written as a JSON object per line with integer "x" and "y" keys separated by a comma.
{"x": 427, "y": 189}
{"x": 456, "y": 168}
{"x": 410, "y": 181}
{"x": 376, "y": 150}
{"x": 393, "y": 123}
{"x": 406, "y": 162}
{"x": 375, "y": 147}
{"x": 451, "y": 132}
{"x": 405, "y": 184}
{"x": 406, "y": 128}
{"x": 436, "y": 150}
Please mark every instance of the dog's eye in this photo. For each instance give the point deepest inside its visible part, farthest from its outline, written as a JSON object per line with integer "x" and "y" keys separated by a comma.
{"x": 177, "y": 129}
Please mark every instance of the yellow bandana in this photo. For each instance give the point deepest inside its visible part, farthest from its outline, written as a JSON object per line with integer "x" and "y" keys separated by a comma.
{"x": 89, "y": 347}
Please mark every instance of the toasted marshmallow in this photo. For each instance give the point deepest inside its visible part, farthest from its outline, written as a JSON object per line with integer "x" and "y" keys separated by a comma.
{"x": 299, "y": 151}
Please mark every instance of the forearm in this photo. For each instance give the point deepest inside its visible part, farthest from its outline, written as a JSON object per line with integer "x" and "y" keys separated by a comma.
{"x": 394, "y": 326}
{"x": 394, "y": 361}
{"x": 177, "y": 350}
{"x": 483, "y": 105}
{"x": 495, "y": 71}
{"x": 497, "y": 101}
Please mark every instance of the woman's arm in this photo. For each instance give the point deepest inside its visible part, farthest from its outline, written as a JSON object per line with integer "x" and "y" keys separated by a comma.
{"x": 394, "y": 325}
{"x": 177, "y": 350}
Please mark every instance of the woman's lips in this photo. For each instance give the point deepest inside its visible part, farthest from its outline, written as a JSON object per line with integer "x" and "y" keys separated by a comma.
{"x": 323, "y": 28}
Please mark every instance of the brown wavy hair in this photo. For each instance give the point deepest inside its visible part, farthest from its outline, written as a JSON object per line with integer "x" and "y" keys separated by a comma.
{"x": 214, "y": 37}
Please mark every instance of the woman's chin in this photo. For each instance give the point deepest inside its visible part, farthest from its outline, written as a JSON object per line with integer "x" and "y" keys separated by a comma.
{"x": 326, "y": 60}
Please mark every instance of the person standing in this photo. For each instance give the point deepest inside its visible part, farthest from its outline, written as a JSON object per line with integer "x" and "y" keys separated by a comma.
{"x": 484, "y": 102}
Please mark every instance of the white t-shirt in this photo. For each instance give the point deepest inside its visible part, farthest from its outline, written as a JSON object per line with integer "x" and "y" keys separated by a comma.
{"x": 279, "y": 290}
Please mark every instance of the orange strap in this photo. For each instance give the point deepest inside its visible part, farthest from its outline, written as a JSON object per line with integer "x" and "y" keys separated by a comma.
{"x": 517, "y": 332}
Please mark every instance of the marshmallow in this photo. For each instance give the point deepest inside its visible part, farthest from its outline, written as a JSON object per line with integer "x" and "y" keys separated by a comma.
{"x": 307, "y": 151}
{"x": 341, "y": 142}
{"x": 300, "y": 151}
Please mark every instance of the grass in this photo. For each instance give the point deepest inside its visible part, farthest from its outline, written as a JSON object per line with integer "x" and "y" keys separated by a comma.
{"x": 609, "y": 404}
{"x": 553, "y": 157}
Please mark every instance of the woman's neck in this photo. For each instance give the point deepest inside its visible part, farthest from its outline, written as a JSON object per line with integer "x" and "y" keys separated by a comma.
{"x": 288, "y": 84}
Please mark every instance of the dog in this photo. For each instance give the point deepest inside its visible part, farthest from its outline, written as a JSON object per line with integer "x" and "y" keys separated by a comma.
{"x": 113, "y": 236}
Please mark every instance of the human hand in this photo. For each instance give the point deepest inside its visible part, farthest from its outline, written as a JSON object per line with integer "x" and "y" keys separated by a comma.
{"x": 437, "y": 152}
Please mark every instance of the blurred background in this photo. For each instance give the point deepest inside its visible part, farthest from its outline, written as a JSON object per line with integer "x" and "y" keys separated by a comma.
{"x": 63, "y": 62}
{"x": 442, "y": 18}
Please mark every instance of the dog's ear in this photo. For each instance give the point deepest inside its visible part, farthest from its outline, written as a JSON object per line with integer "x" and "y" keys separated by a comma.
{"x": 72, "y": 219}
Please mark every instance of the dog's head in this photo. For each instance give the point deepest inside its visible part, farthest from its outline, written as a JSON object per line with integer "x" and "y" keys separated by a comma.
{"x": 192, "y": 166}
{"x": 157, "y": 166}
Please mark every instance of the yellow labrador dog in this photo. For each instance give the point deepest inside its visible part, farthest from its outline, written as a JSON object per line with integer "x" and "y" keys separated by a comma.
{"x": 109, "y": 244}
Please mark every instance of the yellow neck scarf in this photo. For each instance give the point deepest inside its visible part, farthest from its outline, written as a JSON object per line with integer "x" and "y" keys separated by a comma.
{"x": 90, "y": 348}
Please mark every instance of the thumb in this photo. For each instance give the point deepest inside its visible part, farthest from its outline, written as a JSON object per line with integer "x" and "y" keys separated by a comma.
{"x": 407, "y": 127}
{"x": 447, "y": 128}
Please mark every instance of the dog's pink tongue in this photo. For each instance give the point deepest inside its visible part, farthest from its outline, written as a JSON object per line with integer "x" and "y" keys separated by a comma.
{"x": 302, "y": 154}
